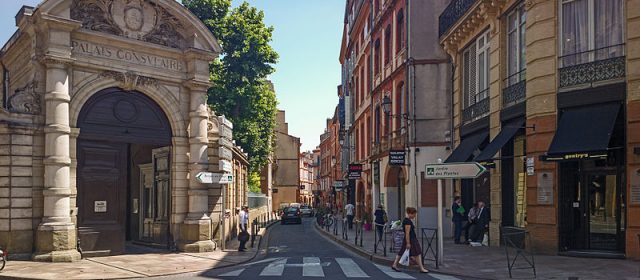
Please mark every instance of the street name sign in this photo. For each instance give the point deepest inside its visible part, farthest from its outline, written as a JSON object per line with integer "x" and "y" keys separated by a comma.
{"x": 225, "y": 153}
{"x": 462, "y": 170}
{"x": 214, "y": 178}
{"x": 225, "y": 165}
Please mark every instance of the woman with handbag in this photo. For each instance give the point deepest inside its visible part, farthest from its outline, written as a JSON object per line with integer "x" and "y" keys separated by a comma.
{"x": 410, "y": 244}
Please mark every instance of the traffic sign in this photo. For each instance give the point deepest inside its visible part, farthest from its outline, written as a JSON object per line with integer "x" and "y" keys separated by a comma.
{"x": 211, "y": 178}
{"x": 462, "y": 170}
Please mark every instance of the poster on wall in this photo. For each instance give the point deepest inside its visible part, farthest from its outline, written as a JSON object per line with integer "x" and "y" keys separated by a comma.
{"x": 545, "y": 188}
{"x": 634, "y": 198}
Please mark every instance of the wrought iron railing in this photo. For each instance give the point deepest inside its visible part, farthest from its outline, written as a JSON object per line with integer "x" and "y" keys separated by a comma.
{"x": 515, "y": 89}
{"x": 592, "y": 66}
{"x": 453, "y": 12}
{"x": 476, "y": 110}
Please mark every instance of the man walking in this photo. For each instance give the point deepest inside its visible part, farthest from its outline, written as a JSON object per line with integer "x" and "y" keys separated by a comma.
{"x": 243, "y": 220}
{"x": 482, "y": 222}
{"x": 458, "y": 217}
{"x": 348, "y": 209}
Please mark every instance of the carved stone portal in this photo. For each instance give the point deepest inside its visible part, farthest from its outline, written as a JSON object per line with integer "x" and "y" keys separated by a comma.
{"x": 130, "y": 80}
{"x": 136, "y": 19}
{"x": 25, "y": 100}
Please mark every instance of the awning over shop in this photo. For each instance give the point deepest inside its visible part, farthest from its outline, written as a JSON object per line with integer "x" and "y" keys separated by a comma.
{"x": 508, "y": 131}
{"x": 466, "y": 148}
{"x": 583, "y": 132}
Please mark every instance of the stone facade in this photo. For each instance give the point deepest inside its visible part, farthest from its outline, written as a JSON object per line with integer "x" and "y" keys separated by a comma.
{"x": 62, "y": 54}
{"x": 286, "y": 168}
{"x": 544, "y": 97}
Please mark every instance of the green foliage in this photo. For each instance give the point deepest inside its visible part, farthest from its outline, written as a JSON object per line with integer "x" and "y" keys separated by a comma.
{"x": 241, "y": 91}
{"x": 254, "y": 182}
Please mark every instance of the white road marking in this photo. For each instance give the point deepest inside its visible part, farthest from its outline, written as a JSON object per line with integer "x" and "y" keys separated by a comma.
{"x": 443, "y": 277}
{"x": 275, "y": 268}
{"x": 261, "y": 261}
{"x": 393, "y": 274}
{"x": 312, "y": 267}
{"x": 350, "y": 268}
{"x": 234, "y": 273}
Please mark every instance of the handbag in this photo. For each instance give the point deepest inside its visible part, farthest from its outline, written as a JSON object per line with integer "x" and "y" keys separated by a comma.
{"x": 243, "y": 236}
{"x": 385, "y": 218}
{"x": 404, "y": 260}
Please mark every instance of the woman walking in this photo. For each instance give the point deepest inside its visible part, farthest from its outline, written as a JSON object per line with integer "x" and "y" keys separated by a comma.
{"x": 410, "y": 241}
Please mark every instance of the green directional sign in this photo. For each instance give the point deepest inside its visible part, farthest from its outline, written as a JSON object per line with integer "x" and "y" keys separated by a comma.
{"x": 461, "y": 170}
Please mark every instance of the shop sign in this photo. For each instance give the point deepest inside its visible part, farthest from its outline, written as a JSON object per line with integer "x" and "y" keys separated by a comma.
{"x": 225, "y": 165}
{"x": 545, "y": 188}
{"x": 355, "y": 171}
{"x": 338, "y": 184}
{"x": 396, "y": 157}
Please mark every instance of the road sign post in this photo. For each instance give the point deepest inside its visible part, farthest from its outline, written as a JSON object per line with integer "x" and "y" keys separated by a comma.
{"x": 440, "y": 171}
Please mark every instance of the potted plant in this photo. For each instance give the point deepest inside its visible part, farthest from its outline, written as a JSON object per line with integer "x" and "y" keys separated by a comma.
{"x": 367, "y": 221}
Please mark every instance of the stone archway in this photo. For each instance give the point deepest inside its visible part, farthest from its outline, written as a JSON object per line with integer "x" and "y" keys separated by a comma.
{"x": 122, "y": 152}
{"x": 395, "y": 181}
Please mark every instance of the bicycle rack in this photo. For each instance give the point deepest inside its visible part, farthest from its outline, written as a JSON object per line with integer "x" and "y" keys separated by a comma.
{"x": 335, "y": 225}
{"x": 345, "y": 230}
{"x": 518, "y": 240}
{"x": 359, "y": 232}
{"x": 431, "y": 246}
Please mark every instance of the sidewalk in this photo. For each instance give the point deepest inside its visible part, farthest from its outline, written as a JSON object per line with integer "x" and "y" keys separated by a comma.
{"x": 491, "y": 262}
{"x": 144, "y": 262}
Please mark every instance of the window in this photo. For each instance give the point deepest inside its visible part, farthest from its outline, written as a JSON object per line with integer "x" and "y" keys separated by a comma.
{"x": 376, "y": 125}
{"x": 591, "y": 30}
{"x": 363, "y": 93}
{"x": 400, "y": 31}
{"x": 387, "y": 44}
{"x": 516, "y": 45}
{"x": 376, "y": 62}
{"x": 475, "y": 71}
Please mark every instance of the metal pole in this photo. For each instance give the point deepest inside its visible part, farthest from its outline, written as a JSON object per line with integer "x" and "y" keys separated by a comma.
{"x": 223, "y": 219}
{"x": 440, "y": 229}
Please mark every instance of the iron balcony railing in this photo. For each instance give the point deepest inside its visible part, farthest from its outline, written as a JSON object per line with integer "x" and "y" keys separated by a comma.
{"x": 478, "y": 109}
{"x": 592, "y": 66}
{"x": 515, "y": 89}
{"x": 454, "y": 11}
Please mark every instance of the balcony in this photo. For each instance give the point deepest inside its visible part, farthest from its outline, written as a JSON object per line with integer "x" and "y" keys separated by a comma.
{"x": 515, "y": 90}
{"x": 451, "y": 15}
{"x": 477, "y": 110}
{"x": 594, "y": 66}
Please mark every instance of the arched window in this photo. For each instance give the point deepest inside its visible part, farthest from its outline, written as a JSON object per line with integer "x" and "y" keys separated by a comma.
{"x": 376, "y": 59}
{"x": 400, "y": 31}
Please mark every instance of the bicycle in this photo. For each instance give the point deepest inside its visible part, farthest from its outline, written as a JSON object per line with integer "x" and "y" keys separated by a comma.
{"x": 3, "y": 258}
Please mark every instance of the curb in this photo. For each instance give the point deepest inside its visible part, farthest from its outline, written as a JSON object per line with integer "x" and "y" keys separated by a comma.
{"x": 265, "y": 234}
{"x": 377, "y": 258}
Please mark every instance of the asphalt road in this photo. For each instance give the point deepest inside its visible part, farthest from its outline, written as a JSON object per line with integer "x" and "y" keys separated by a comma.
{"x": 297, "y": 251}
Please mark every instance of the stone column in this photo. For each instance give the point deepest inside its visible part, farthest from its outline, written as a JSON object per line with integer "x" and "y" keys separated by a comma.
{"x": 56, "y": 235}
{"x": 196, "y": 231}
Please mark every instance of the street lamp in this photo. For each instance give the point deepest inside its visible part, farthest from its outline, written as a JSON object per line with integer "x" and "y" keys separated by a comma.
{"x": 386, "y": 104}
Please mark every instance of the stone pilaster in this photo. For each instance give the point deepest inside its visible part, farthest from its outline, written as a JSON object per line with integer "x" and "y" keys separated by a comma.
{"x": 196, "y": 231}
{"x": 56, "y": 235}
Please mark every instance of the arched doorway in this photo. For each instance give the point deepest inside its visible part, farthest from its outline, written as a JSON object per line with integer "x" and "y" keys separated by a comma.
{"x": 123, "y": 172}
{"x": 395, "y": 182}
{"x": 360, "y": 200}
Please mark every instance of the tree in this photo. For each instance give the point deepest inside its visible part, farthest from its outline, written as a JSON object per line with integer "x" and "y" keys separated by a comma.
{"x": 240, "y": 89}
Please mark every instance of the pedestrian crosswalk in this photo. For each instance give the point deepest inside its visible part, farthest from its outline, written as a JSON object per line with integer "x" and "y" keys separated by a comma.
{"x": 315, "y": 267}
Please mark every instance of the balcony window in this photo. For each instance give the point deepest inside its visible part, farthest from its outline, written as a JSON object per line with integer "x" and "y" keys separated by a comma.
{"x": 592, "y": 45}
{"x": 376, "y": 125}
{"x": 475, "y": 72}
{"x": 387, "y": 44}
{"x": 400, "y": 31}
{"x": 376, "y": 62}
{"x": 515, "y": 87}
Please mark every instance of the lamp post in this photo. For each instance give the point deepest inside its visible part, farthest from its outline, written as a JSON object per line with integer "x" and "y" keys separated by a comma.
{"x": 386, "y": 105}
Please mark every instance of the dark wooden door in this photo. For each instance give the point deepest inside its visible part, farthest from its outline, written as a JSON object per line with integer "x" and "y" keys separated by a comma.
{"x": 102, "y": 196}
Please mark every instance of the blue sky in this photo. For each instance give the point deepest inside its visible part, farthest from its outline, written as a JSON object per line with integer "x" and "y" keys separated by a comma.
{"x": 307, "y": 37}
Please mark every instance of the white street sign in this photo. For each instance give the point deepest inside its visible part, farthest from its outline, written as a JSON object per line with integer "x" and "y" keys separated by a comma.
{"x": 225, "y": 153}
{"x": 225, "y": 165}
{"x": 462, "y": 170}
{"x": 211, "y": 178}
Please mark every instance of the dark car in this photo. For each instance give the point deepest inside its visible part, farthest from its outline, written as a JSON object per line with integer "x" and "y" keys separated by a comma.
{"x": 291, "y": 214}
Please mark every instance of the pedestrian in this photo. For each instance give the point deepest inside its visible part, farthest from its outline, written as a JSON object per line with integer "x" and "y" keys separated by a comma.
{"x": 243, "y": 220}
{"x": 410, "y": 241}
{"x": 481, "y": 223}
{"x": 458, "y": 218}
{"x": 471, "y": 219}
{"x": 348, "y": 209}
{"x": 380, "y": 221}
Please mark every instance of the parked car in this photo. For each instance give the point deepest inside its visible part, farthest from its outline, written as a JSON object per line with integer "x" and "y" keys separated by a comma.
{"x": 291, "y": 214}
{"x": 306, "y": 210}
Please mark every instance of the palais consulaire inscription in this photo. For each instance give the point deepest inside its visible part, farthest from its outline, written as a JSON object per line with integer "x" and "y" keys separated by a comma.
{"x": 126, "y": 55}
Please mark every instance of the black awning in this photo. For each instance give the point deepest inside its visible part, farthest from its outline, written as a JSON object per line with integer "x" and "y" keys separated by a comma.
{"x": 466, "y": 148}
{"x": 508, "y": 131}
{"x": 583, "y": 132}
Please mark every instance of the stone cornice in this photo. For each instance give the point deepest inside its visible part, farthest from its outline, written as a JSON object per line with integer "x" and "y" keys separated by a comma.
{"x": 481, "y": 12}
